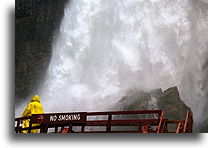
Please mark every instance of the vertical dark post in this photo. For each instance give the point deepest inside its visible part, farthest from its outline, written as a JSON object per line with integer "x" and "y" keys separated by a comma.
{"x": 30, "y": 126}
{"x": 109, "y": 123}
{"x": 139, "y": 129}
{"x": 190, "y": 122}
{"x": 56, "y": 129}
{"x": 164, "y": 128}
{"x": 83, "y": 128}
{"x": 70, "y": 128}
{"x": 44, "y": 128}
{"x": 17, "y": 127}
{"x": 41, "y": 128}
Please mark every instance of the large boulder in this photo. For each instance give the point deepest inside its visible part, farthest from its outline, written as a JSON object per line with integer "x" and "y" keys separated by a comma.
{"x": 169, "y": 101}
{"x": 135, "y": 101}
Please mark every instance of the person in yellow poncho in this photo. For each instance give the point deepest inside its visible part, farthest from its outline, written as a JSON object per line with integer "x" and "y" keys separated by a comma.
{"x": 34, "y": 107}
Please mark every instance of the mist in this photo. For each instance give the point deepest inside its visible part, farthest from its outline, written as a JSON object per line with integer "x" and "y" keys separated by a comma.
{"x": 105, "y": 48}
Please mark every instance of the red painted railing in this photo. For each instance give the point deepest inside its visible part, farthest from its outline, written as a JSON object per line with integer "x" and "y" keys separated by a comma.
{"x": 106, "y": 122}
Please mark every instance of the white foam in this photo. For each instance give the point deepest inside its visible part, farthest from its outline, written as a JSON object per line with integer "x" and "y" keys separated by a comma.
{"x": 106, "y": 47}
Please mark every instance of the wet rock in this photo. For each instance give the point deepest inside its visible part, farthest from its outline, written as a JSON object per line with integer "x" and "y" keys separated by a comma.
{"x": 169, "y": 100}
{"x": 156, "y": 93}
{"x": 135, "y": 100}
{"x": 36, "y": 22}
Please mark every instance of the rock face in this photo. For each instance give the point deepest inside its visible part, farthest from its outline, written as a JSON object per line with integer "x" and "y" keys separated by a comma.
{"x": 169, "y": 100}
{"x": 36, "y": 22}
{"x": 135, "y": 101}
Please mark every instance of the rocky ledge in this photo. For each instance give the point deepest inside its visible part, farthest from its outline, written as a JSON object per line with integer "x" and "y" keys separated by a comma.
{"x": 168, "y": 100}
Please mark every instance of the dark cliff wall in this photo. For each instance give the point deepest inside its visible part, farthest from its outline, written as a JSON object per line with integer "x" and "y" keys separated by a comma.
{"x": 36, "y": 21}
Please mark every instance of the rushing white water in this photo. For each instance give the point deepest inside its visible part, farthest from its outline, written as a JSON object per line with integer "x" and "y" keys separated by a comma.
{"x": 106, "y": 47}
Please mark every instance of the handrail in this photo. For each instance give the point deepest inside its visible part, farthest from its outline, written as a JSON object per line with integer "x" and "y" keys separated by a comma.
{"x": 157, "y": 124}
{"x": 22, "y": 118}
{"x": 125, "y": 112}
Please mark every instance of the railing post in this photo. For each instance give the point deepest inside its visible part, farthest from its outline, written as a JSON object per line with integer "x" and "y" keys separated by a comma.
{"x": 188, "y": 123}
{"x": 179, "y": 128}
{"x": 17, "y": 127}
{"x": 83, "y": 128}
{"x": 109, "y": 123}
{"x": 164, "y": 127}
{"x": 30, "y": 126}
{"x": 56, "y": 129}
{"x": 161, "y": 120}
{"x": 44, "y": 128}
{"x": 70, "y": 128}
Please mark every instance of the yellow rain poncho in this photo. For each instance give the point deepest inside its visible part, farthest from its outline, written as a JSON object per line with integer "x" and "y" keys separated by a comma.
{"x": 34, "y": 107}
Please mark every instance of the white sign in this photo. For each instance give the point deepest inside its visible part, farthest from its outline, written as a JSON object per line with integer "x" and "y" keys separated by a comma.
{"x": 65, "y": 117}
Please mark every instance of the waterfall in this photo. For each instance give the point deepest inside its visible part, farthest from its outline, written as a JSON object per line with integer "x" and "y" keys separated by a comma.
{"x": 105, "y": 48}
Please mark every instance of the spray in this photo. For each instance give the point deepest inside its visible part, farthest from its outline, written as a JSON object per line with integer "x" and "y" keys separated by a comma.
{"x": 105, "y": 48}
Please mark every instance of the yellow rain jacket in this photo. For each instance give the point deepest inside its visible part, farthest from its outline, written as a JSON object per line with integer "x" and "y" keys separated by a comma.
{"x": 34, "y": 107}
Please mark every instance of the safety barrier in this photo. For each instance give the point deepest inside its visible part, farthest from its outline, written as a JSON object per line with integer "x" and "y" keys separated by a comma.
{"x": 143, "y": 121}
